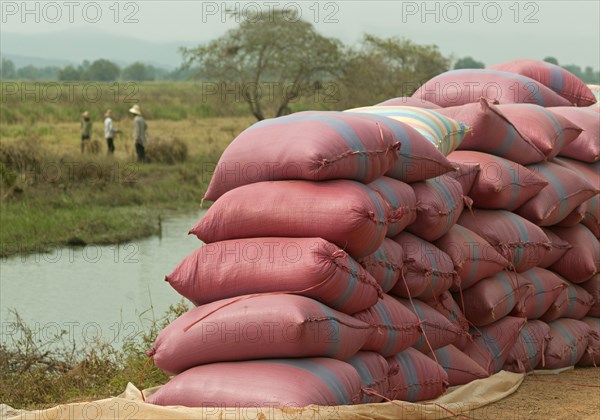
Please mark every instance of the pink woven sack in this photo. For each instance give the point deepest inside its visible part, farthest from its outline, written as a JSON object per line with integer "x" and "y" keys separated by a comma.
{"x": 461, "y": 369}
{"x": 582, "y": 260}
{"x": 591, "y": 357}
{"x": 373, "y": 370}
{"x": 447, "y": 306}
{"x": 547, "y": 288}
{"x": 401, "y": 199}
{"x": 586, "y": 147}
{"x": 574, "y": 303}
{"x": 558, "y": 247}
{"x": 385, "y": 265}
{"x": 569, "y": 339}
{"x": 529, "y": 349}
{"x": 592, "y": 286}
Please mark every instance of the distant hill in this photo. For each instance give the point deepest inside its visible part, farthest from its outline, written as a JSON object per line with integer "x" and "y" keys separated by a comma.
{"x": 72, "y": 46}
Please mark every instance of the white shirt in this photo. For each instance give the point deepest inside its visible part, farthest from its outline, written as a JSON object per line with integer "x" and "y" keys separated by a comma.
{"x": 109, "y": 131}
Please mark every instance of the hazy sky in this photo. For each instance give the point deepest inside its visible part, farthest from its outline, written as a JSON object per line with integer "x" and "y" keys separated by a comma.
{"x": 491, "y": 31}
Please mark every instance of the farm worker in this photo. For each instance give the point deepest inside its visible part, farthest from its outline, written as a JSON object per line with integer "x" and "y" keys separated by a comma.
{"x": 86, "y": 130}
{"x": 139, "y": 133}
{"x": 109, "y": 131}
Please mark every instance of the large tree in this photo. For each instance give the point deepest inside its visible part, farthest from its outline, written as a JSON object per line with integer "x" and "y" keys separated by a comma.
{"x": 277, "y": 50}
{"x": 102, "y": 70}
{"x": 468, "y": 63}
{"x": 138, "y": 72}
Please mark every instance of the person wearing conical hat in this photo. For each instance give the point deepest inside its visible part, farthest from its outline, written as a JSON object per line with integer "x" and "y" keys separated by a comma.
{"x": 86, "y": 130}
{"x": 139, "y": 132}
{"x": 109, "y": 132}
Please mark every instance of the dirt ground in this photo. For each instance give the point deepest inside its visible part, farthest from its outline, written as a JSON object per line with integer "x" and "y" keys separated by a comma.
{"x": 572, "y": 394}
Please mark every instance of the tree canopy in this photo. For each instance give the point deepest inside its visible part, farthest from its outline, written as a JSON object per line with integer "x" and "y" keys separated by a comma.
{"x": 468, "y": 63}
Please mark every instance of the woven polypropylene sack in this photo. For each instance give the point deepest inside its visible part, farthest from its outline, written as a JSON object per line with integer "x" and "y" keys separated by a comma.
{"x": 549, "y": 131}
{"x": 491, "y": 132}
{"x": 438, "y": 331}
{"x": 394, "y": 327}
{"x": 440, "y": 202}
{"x": 428, "y": 270}
{"x": 529, "y": 349}
{"x": 310, "y": 267}
{"x": 461, "y": 369}
{"x": 458, "y": 87}
{"x": 592, "y": 286}
{"x": 257, "y": 327}
{"x": 310, "y": 145}
{"x": 574, "y": 303}
{"x": 500, "y": 183}
{"x": 262, "y": 383}
{"x": 418, "y": 158}
{"x": 561, "y": 81}
{"x": 465, "y": 174}
{"x": 582, "y": 260}
{"x": 347, "y": 213}
{"x": 408, "y": 101}
{"x": 565, "y": 191}
{"x": 415, "y": 377}
{"x": 447, "y": 306}
{"x": 558, "y": 247}
{"x": 402, "y": 201}
{"x": 491, "y": 344}
{"x": 586, "y": 147}
{"x": 385, "y": 265}
{"x": 443, "y": 132}
{"x": 494, "y": 297}
{"x": 473, "y": 257}
{"x": 515, "y": 238}
{"x": 373, "y": 370}
{"x": 569, "y": 339}
{"x": 591, "y": 356}
{"x": 547, "y": 287}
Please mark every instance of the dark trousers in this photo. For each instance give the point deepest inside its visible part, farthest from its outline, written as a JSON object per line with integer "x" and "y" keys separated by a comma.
{"x": 141, "y": 152}
{"x": 111, "y": 146}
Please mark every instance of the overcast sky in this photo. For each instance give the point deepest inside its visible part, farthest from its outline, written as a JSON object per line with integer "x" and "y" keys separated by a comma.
{"x": 489, "y": 31}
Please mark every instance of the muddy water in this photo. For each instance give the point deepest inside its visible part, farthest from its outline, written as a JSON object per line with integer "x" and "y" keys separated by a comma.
{"x": 90, "y": 292}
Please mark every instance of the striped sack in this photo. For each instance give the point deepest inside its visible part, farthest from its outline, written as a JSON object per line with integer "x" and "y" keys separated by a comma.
{"x": 401, "y": 199}
{"x": 501, "y": 183}
{"x": 459, "y": 87}
{"x": 440, "y": 202}
{"x": 447, "y": 306}
{"x": 415, "y": 377}
{"x": 465, "y": 174}
{"x": 408, "y": 101}
{"x": 529, "y": 349}
{"x": 443, "y": 132}
{"x": 257, "y": 327}
{"x": 586, "y": 147}
{"x": 491, "y": 132}
{"x": 394, "y": 327}
{"x": 549, "y": 131}
{"x": 438, "y": 331}
{"x": 310, "y": 145}
{"x": 519, "y": 241}
{"x": 569, "y": 339}
{"x": 565, "y": 191}
{"x": 591, "y": 356}
{"x": 373, "y": 370}
{"x": 428, "y": 271}
{"x": 492, "y": 344}
{"x": 547, "y": 287}
{"x": 494, "y": 297}
{"x": 561, "y": 81}
{"x": 575, "y": 302}
{"x": 558, "y": 247}
{"x": 310, "y": 267}
{"x": 347, "y": 213}
{"x": 592, "y": 286}
{"x": 263, "y": 383}
{"x": 582, "y": 260}
{"x": 473, "y": 257}
{"x": 385, "y": 265}
{"x": 461, "y": 369}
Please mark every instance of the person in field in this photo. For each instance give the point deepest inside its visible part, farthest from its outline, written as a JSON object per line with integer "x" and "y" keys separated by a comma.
{"x": 109, "y": 132}
{"x": 86, "y": 131}
{"x": 139, "y": 132}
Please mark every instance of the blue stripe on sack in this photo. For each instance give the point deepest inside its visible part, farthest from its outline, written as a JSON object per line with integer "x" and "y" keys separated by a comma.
{"x": 432, "y": 260}
{"x": 569, "y": 338}
{"x": 392, "y": 334}
{"x": 351, "y": 285}
{"x": 476, "y": 253}
{"x": 556, "y": 79}
{"x": 560, "y": 140}
{"x": 324, "y": 374}
{"x": 559, "y": 190}
{"x": 411, "y": 377}
{"x": 447, "y": 194}
{"x": 381, "y": 213}
{"x": 419, "y": 313}
{"x": 523, "y": 237}
{"x": 362, "y": 369}
{"x": 494, "y": 348}
{"x": 387, "y": 191}
{"x": 571, "y": 301}
{"x": 509, "y": 291}
{"x": 528, "y": 338}
{"x": 333, "y": 343}
{"x": 443, "y": 357}
{"x": 539, "y": 289}
{"x": 514, "y": 189}
{"x": 507, "y": 142}
{"x": 523, "y": 79}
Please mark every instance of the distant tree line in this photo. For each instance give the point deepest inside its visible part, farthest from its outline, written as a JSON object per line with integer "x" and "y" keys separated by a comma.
{"x": 99, "y": 70}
